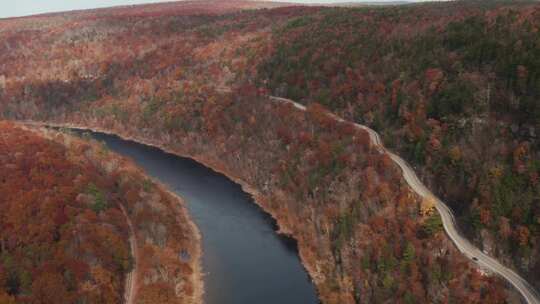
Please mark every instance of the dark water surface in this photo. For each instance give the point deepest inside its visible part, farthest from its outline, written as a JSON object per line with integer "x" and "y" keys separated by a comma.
{"x": 244, "y": 260}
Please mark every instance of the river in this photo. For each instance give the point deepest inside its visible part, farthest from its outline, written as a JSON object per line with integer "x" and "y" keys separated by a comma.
{"x": 244, "y": 260}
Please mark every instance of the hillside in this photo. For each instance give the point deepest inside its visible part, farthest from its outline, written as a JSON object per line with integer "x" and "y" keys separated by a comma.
{"x": 65, "y": 230}
{"x": 452, "y": 87}
{"x": 458, "y": 97}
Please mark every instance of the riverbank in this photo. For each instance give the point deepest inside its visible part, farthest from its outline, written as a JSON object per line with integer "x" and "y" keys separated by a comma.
{"x": 195, "y": 279}
{"x": 328, "y": 187}
{"x": 309, "y": 265}
{"x": 196, "y": 261}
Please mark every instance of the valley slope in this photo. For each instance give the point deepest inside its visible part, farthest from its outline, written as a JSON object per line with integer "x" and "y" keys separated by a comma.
{"x": 458, "y": 104}
{"x": 82, "y": 224}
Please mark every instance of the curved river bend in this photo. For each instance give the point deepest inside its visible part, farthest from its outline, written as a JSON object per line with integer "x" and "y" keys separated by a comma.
{"x": 245, "y": 261}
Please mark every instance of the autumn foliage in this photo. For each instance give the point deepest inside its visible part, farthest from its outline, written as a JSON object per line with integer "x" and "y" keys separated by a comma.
{"x": 64, "y": 237}
{"x": 452, "y": 87}
{"x": 54, "y": 247}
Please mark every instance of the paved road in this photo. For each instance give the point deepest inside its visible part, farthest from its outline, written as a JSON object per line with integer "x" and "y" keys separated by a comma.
{"x": 449, "y": 222}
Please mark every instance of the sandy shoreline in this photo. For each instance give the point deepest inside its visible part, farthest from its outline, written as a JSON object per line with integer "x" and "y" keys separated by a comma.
{"x": 196, "y": 261}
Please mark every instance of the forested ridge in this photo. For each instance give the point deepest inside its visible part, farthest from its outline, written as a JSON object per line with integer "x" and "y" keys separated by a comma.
{"x": 453, "y": 87}
{"x": 54, "y": 248}
{"x": 64, "y": 237}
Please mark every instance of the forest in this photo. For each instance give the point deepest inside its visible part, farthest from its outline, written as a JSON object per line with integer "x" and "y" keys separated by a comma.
{"x": 64, "y": 236}
{"x": 452, "y": 87}
{"x": 458, "y": 97}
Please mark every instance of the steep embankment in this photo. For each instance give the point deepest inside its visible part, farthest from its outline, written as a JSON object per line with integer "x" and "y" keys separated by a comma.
{"x": 83, "y": 208}
{"x": 364, "y": 202}
{"x": 157, "y": 78}
{"x": 484, "y": 261}
{"x": 452, "y": 87}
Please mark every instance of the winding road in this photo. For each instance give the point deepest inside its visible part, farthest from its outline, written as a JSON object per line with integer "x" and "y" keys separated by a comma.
{"x": 484, "y": 261}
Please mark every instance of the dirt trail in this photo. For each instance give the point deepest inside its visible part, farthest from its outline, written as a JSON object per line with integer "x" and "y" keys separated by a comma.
{"x": 131, "y": 279}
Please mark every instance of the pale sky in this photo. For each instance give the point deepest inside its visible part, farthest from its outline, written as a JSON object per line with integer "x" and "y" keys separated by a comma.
{"x": 15, "y": 8}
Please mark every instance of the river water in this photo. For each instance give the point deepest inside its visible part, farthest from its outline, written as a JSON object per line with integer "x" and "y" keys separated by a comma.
{"x": 245, "y": 261}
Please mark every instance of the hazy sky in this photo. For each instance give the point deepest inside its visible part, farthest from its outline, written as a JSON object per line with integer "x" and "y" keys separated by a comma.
{"x": 12, "y": 8}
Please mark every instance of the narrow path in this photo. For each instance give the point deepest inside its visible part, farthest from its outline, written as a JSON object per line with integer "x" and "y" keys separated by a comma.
{"x": 130, "y": 286}
{"x": 449, "y": 222}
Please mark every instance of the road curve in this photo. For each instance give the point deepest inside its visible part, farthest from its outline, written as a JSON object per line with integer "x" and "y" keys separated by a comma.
{"x": 131, "y": 279}
{"x": 484, "y": 261}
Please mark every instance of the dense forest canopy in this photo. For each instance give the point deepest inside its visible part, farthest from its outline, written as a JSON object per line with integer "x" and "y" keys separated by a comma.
{"x": 64, "y": 226}
{"x": 453, "y": 87}
{"x": 62, "y": 236}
